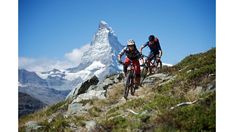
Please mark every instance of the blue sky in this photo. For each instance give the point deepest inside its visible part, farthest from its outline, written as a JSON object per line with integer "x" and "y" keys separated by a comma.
{"x": 52, "y": 28}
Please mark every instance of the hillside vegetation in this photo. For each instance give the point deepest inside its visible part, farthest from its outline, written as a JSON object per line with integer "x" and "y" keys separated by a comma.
{"x": 177, "y": 98}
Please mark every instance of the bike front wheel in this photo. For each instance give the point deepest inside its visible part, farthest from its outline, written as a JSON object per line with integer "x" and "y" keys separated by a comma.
{"x": 128, "y": 84}
{"x": 144, "y": 72}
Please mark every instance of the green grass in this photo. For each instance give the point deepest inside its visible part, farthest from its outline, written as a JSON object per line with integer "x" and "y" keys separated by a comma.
{"x": 154, "y": 109}
{"x": 57, "y": 124}
{"x": 193, "y": 71}
{"x": 196, "y": 117}
{"x": 197, "y": 60}
{"x": 59, "y": 106}
{"x": 95, "y": 111}
{"x": 117, "y": 123}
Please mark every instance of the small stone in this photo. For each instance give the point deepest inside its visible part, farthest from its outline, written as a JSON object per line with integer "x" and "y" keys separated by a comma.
{"x": 31, "y": 125}
{"x": 90, "y": 125}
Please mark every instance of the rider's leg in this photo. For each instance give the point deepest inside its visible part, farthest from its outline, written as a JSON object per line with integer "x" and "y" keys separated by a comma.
{"x": 137, "y": 72}
{"x": 149, "y": 59}
{"x": 125, "y": 66}
{"x": 160, "y": 64}
{"x": 158, "y": 61}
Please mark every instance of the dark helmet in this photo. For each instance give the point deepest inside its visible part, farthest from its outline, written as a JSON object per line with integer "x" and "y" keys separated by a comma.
{"x": 151, "y": 38}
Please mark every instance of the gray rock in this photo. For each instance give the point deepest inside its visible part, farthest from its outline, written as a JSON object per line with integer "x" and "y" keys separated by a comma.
{"x": 105, "y": 84}
{"x": 82, "y": 88}
{"x": 92, "y": 94}
{"x": 93, "y": 87}
{"x": 148, "y": 81}
{"x": 211, "y": 86}
{"x": 74, "y": 108}
{"x": 167, "y": 79}
{"x": 100, "y": 87}
{"x": 160, "y": 76}
{"x": 116, "y": 80}
{"x": 85, "y": 86}
{"x": 153, "y": 78}
{"x": 78, "y": 108}
{"x": 31, "y": 125}
{"x": 90, "y": 125}
{"x": 198, "y": 90}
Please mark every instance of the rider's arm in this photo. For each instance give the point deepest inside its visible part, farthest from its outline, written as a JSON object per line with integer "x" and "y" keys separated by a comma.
{"x": 159, "y": 49}
{"x": 160, "y": 53}
{"x": 143, "y": 46}
{"x": 119, "y": 58}
{"x": 121, "y": 53}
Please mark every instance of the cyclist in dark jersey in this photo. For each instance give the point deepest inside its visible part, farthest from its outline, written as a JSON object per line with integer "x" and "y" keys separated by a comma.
{"x": 155, "y": 49}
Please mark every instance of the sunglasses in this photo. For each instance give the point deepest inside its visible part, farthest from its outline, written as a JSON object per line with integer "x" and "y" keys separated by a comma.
{"x": 130, "y": 45}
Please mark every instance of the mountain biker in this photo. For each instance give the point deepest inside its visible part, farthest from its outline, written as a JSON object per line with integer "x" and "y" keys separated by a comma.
{"x": 132, "y": 54}
{"x": 155, "y": 49}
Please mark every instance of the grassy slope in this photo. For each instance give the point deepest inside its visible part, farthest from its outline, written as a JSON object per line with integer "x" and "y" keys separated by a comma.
{"x": 152, "y": 104}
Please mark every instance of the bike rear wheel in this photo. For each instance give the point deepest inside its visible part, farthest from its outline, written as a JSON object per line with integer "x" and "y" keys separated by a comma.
{"x": 158, "y": 66}
{"x": 154, "y": 69}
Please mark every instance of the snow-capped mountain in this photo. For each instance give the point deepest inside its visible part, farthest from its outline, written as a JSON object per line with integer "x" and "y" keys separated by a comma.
{"x": 100, "y": 60}
{"x": 103, "y": 51}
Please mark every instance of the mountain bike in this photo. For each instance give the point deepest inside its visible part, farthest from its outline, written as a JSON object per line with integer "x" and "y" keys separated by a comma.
{"x": 130, "y": 80}
{"x": 152, "y": 67}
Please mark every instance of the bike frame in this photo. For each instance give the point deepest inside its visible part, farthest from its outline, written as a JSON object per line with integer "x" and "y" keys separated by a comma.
{"x": 152, "y": 64}
{"x": 130, "y": 80}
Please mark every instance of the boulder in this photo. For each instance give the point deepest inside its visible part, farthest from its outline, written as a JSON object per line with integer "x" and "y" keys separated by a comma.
{"x": 85, "y": 86}
{"x": 92, "y": 94}
{"x": 82, "y": 88}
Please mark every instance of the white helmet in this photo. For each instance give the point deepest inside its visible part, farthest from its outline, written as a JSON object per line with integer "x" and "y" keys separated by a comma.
{"x": 131, "y": 42}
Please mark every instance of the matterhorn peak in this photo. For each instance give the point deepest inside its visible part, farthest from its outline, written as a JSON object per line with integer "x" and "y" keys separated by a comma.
{"x": 104, "y": 25}
{"x": 103, "y": 50}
